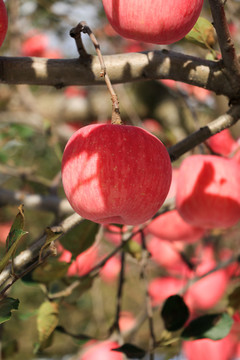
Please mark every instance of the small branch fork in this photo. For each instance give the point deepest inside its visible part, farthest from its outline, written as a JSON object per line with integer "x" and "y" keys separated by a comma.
{"x": 75, "y": 33}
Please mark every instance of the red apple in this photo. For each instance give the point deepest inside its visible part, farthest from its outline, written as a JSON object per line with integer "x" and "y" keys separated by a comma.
{"x": 161, "y": 288}
{"x": 4, "y": 231}
{"x": 208, "y": 191}
{"x": 222, "y": 143}
{"x": 167, "y": 255}
{"x": 35, "y": 45}
{"x": 153, "y": 21}
{"x": 206, "y": 293}
{"x": 83, "y": 263}
{"x": 126, "y": 321}
{"x": 206, "y": 349}
{"x": 111, "y": 269}
{"x": 171, "y": 226}
{"x": 115, "y": 173}
{"x": 3, "y": 21}
{"x": 113, "y": 234}
{"x": 94, "y": 350}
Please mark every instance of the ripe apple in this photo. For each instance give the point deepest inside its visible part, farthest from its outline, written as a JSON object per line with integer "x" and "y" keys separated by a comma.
{"x": 161, "y": 288}
{"x": 94, "y": 350}
{"x": 222, "y": 143}
{"x": 171, "y": 226}
{"x": 206, "y": 349}
{"x": 167, "y": 255}
{"x": 115, "y": 173}
{"x": 83, "y": 263}
{"x": 126, "y": 321}
{"x": 206, "y": 293}
{"x": 111, "y": 270}
{"x": 153, "y": 21}
{"x": 3, "y": 21}
{"x": 36, "y": 44}
{"x": 208, "y": 191}
{"x": 4, "y": 231}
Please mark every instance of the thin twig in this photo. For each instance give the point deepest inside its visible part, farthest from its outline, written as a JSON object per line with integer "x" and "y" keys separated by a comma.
{"x": 82, "y": 27}
{"x": 149, "y": 310}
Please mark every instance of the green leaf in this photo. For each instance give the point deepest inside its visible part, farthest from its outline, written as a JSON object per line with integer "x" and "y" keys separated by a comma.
{"x": 202, "y": 34}
{"x": 213, "y": 326}
{"x": 18, "y": 224}
{"x": 7, "y": 305}
{"x": 131, "y": 351}
{"x": 47, "y": 321}
{"x": 174, "y": 313}
{"x": 15, "y": 237}
{"x": 50, "y": 271}
{"x": 80, "y": 238}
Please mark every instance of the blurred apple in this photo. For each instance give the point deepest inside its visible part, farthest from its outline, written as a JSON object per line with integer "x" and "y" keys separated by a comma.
{"x": 35, "y": 45}
{"x": 83, "y": 263}
{"x": 222, "y": 143}
{"x": 167, "y": 255}
{"x": 206, "y": 293}
{"x": 126, "y": 321}
{"x": 101, "y": 351}
{"x": 4, "y": 231}
{"x": 208, "y": 191}
{"x": 111, "y": 269}
{"x": 206, "y": 349}
{"x": 161, "y": 288}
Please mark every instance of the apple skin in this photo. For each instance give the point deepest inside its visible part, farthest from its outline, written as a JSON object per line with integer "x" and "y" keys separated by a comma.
{"x": 115, "y": 173}
{"x": 3, "y": 21}
{"x": 208, "y": 191}
{"x": 35, "y": 45}
{"x": 101, "y": 351}
{"x": 206, "y": 349}
{"x": 4, "y": 231}
{"x": 153, "y": 21}
{"x": 222, "y": 143}
{"x": 83, "y": 263}
{"x": 111, "y": 270}
{"x": 206, "y": 293}
{"x": 171, "y": 226}
{"x": 161, "y": 288}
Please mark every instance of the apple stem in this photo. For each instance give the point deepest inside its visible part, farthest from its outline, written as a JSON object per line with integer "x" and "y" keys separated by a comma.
{"x": 75, "y": 32}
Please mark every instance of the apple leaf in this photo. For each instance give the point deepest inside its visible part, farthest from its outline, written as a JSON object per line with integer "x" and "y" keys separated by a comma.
{"x": 14, "y": 237}
{"x": 50, "y": 271}
{"x": 18, "y": 224}
{"x": 7, "y": 305}
{"x": 212, "y": 326}
{"x": 80, "y": 238}
{"x": 202, "y": 34}
{"x": 174, "y": 313}
{"x": 131, "y": 351}
{"x": 47, "y": 321}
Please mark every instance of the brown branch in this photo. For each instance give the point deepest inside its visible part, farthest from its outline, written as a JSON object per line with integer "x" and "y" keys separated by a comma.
{"x": 196, "y": 138}
{"x": 228, "y": 51}
{"x": 122, "y": 68}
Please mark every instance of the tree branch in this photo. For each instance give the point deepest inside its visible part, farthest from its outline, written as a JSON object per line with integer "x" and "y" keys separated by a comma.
{"x": 122, "y": 68}
{"x": 229, "y": 55}
{"x": 196, "y": 138}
